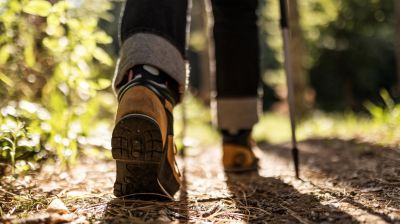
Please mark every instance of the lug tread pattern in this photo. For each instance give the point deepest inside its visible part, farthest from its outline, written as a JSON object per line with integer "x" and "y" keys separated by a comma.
{"x": 137, "y": 148}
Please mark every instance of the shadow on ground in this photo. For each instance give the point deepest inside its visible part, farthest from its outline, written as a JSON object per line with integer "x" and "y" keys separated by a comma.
{"x": 364, "y": 175}
{"x": 269, "y": 199}
{"x": 142, "y": 211}
{"x": 254, "y": 199}
{"x": 249, "y": 198}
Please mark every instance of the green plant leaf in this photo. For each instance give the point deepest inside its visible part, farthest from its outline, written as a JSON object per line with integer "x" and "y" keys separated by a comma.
{"x": 4, "y": 54}
{"x": 6, "y": 148}
{"x": 103, "y": 84}
{"x": 102, "y": 37}
{"x": 53, "y": 22}
{"x": 387, "y": 99}
{"x": 9, "y": 141}
{"x": 61, "y": 6}
{"x": 102, "y": 56}
{"x": 38, "y": 7}
{"x": 6, "y": 80}
{"x": 29, "y": 54}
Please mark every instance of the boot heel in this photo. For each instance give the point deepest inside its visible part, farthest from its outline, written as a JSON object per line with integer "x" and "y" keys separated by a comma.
{"x": 138, "y": 150}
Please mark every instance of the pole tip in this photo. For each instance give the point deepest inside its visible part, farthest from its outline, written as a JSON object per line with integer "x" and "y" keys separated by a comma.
{"x": 295, "y": 154}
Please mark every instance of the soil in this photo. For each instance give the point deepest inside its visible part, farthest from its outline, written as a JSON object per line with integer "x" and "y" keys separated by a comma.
{"x": 341, "y": 182}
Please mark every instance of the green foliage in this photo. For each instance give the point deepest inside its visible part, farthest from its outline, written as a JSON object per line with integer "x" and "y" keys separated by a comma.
{"x": 386, "y": 117}
{"x": 38, "y": 7}
{"x": 315, "y": 15}
{"x": 51, "y": 54}
{"x": 380, "y": 127}
{"x": 349, "y": 49}
{"x": 354, "y": 57}
{"x": 389, "y": 114}
{"x": 24, "y": 129}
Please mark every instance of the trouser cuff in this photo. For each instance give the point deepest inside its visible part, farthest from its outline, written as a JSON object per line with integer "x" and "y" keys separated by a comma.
{"x": 236, "y": 113}
{"x": 150, "y": 49}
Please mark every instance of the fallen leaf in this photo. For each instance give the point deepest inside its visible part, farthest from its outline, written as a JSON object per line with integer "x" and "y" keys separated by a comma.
{"x": 57, "y": 206}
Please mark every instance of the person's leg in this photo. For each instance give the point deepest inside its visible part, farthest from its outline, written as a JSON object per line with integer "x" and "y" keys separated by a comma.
{"x": 153, "y": 32}
{"x": 236, "y": 102}
{"x": 149, "y": 79}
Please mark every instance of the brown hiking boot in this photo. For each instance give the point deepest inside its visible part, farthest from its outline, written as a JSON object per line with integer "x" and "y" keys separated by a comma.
{"x": 238, "y": 155}
{"x": 142, "y": 140}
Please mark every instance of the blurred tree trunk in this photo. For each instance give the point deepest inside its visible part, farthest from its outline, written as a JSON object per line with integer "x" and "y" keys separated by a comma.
{"x": 205, "y": 59}
{"x": 397, "y": 46}
{"x": 199, "y": 42}
{"x": 302, "y": 103}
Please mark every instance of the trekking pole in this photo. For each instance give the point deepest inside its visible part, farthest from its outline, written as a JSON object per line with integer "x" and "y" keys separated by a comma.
{"x": 289, "y": 80}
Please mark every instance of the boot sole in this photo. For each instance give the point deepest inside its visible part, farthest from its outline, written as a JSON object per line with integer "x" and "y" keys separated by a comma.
{"x": 137, "y": 148}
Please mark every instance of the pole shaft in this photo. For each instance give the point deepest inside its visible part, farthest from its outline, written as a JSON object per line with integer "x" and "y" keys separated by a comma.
{"x": 289, "y": 80}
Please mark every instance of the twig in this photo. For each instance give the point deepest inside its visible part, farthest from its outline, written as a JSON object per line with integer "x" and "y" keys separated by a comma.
{"x": 213, "y": 199}
{"x": 8, "y": 192}
{"x": 212, "y": 211}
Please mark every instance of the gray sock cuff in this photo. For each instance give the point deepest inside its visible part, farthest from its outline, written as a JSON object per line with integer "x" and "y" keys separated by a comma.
{"x": 236, "y": 113}
{"x": 151, "y": 49}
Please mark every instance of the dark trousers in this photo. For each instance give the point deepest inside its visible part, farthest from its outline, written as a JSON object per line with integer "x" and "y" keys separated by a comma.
{"x": 235, "y": 33}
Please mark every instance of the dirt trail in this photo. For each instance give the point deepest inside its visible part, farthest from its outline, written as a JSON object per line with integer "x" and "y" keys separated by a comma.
{"x": 343, "y": 182}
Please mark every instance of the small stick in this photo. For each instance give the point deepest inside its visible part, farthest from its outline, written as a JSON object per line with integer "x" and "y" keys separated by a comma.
{"x": 295, "y": 215}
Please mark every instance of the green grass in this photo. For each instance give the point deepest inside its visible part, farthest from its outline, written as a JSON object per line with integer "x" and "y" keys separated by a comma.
{"x": 275, "y": 128}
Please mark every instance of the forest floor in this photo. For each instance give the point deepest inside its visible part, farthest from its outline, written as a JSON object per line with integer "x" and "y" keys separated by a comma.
{"x": 341, "y": 182}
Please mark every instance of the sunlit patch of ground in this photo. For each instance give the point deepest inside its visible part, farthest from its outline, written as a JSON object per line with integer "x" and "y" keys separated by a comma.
{"x": 343, "y": 182}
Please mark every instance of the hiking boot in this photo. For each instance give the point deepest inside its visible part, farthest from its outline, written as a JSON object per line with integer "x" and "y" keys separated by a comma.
{"x": 238, "y": 155}
{"x": 142, "y": 139}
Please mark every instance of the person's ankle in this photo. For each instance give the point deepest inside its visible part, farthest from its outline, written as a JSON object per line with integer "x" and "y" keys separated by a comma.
{"x": 236, "y": 137}
{"x": 154, "y": 75}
